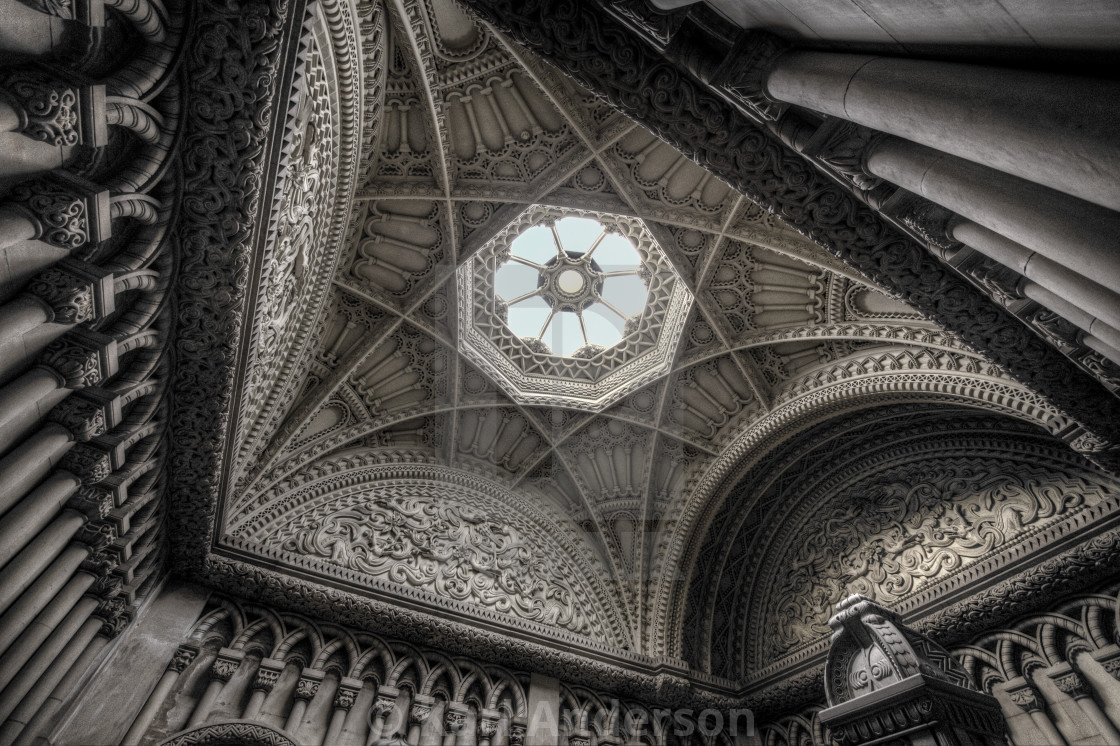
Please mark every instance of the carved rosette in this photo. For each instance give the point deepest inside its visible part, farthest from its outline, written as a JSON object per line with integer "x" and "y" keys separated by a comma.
{"x": 55, "y": 111}
{"x": 184, "y": 656}
{"x": 67, "y": 211}
{"x": 83, "y": 418}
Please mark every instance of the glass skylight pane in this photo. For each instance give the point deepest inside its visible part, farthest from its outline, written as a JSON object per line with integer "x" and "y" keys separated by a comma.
{"x": 535, "y": 244}
{"x": 616, "y": 253}
{"x": 525, "y": 318}
{"x": 604, "y": 327}
{"x": 513, "y": 279}
{"x": 627, "y": 294}
{"x": 577, "y": 234}
{"x": 563, "y": 334}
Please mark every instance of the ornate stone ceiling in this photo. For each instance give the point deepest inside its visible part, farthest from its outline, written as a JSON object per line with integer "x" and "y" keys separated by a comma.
{"x": 373, "y": 451}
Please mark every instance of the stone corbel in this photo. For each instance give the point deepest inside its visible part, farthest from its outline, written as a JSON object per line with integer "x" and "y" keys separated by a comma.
{"x": 81, "y": 359}
{"x": 65, "y": 210}
{"x": 75, "y": 292}
{"x": 55, "y": 111}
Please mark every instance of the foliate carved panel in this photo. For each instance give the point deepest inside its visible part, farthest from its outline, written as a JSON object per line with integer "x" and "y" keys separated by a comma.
{"x": 55, "y": 111}
{"x": 67, "y": 211}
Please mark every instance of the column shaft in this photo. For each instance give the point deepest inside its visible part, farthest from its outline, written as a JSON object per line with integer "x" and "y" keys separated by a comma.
{"x": 45, "y": 623}
{"x": 148, "y": 713}
{"x": 1081, "y": 291}
{"x": 23, "y": 522}
{"x": 23, "y": 403}
{"x": 29, "y": 564}
{"x": 27, "y": 464}
{"x": 73, "y": 673}
{"x": 1074, "y": 315}
{"x": 1067, "y": 230}
{"x": 296, "y": 715}
{"x": 15, "y": 226}
{"x": 338, "y": 719}
{"x": 256, "y": 700}
{"x": 202, "y": 709}
{"x": 60, "y": 575}
{"x": 1058, "y": 130}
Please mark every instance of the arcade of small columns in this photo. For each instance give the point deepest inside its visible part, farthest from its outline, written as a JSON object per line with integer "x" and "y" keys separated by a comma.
{"x": 991, "y": 168}
{"x": 87, "y": 192}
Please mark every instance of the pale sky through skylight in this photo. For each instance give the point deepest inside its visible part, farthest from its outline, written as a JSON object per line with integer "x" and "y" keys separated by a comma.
{"x": 627, "y": 293}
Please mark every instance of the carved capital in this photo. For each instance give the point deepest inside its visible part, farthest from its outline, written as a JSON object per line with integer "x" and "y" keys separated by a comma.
{"x": 81, "y": 358}
{"x": 75, "y": 291}
{"x": 88, "y": 462}
{"x": 419, "y": 713}
{"x": 743, "y": 79}
{"x": 488, "y": 723}
{"x": 94, "y": 502}
{"x": 115, "y": 615}
{"x": 83, "y": 418}
{"x": 1027, "y": 698}
{"x": 930, "y": 222}
{"x": 267, "y": 676}
{"x": 184, "y": 656}
{"x": 226, "y": 664}
{"x": 653, "y": 24}
{"x": 383, "y": 705}
{"x": 579, "y": 738}
{"x": 842, "y": 147}
{"x": 1072, "y": 685}
{"x": 308, "y": 686}
{"x": 97, "y": 536}
{"x": 53, "y": 110}
{"x": 517, "y": 734}
{"x": 67, "y": 211}
{"x": 453, "y": 720}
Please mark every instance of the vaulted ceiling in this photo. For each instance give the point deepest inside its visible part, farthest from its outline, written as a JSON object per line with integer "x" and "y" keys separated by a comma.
{"x": 369, "y": 454}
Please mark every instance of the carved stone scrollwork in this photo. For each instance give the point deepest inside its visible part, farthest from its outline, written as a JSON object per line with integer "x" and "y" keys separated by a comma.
{"x": 454, "y": 719}
{"x": 56, "y": 111}
{"x": 420, "y": 711}
{"x": 743, "y": 80}
{"x": 488, "y": 723}
{"x": 67, "y": 211}
{"x": 184, "y": 656}
{"x": 88, "y": 462}
{"x": 81, "y": 358}
{"x": 83, "y": 418}
{"x": 76, "y": 292}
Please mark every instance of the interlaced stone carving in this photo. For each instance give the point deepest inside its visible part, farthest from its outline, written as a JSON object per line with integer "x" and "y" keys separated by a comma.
{"x": 54, "y": 111}
{"x": 67, "y": 211}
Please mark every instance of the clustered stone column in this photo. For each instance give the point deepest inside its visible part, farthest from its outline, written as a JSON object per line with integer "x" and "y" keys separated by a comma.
{"x": 82, "y": 365}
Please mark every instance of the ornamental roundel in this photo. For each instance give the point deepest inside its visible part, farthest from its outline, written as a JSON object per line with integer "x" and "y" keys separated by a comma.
{"x": 571, "y": 308}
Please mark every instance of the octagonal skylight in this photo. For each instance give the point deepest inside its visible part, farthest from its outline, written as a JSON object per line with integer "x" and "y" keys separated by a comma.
{"x": 571, "y": 307}
{"x": 572, "y": 284}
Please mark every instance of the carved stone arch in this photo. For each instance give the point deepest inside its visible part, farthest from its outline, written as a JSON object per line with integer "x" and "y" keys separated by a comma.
{"x": 233, "y": 733}
{"x": 799, "y": 413}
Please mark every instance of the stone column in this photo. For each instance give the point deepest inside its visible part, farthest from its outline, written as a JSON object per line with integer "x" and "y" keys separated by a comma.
{"x": 29, "y": 564}
{"x": 26, "y": 465}
{"x": 268, "y": 673}
{"x": 183, "y": 657}
{"x": 1081, "y": 291}
{"x": 59, "y": 579}
{"x": 220, "y": 672}
{"x": 884, "y": 682}
{"x": 344, "y": 698}
{"x": 1071, "y": 232}
{"x": 543, "y": 726}
{"x": 418, "y": 714}
{"x": 1093, "y": 326}
{"x": 383, "y": 705}
{"x": 454, "y": 718}
{"x": 1057, "y": 130}
{"x": 487, "y": 726}
{"x": 27, "y": 519}
{"x": 1031, "y": 700}
{"x": 34, "y": 633}
{"x": 306, "y": 689}
{"x": 1072, "y": 685}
